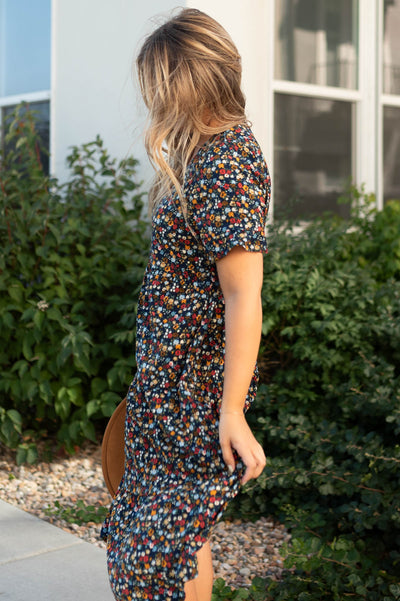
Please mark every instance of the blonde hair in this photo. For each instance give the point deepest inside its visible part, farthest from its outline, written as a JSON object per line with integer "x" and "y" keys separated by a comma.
{"x": 187, "y": 68}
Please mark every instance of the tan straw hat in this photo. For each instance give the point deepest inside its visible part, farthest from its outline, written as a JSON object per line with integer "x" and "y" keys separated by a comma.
{"x": 113, "y": 449}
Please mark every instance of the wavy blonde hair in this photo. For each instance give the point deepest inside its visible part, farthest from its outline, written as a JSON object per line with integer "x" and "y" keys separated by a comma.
{"x": 188, "y": 69}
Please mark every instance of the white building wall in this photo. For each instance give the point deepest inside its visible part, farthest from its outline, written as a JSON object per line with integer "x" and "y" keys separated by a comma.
{"x": 94, "y": 43}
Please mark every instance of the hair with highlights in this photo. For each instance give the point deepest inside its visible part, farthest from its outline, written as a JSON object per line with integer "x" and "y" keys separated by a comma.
{"x": 189, "y": 73}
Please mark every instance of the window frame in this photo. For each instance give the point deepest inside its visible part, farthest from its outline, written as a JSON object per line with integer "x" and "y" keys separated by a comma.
{"x": 28, "y": 97}
{"x": 366, "y": 98}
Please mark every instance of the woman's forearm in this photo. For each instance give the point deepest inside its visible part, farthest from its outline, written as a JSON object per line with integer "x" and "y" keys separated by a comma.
{"x": 240, "y": 275}
{"x": 243, "y": 319}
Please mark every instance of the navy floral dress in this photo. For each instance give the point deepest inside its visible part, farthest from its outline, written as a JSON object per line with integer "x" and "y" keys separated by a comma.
{"x": 176, "y": 485}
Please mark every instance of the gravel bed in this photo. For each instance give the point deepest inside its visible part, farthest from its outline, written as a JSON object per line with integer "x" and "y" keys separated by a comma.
{"x": 241, "y": 550}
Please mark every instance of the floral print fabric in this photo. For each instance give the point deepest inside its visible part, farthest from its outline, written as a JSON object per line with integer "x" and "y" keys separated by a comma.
{"x": 175, "y": 484}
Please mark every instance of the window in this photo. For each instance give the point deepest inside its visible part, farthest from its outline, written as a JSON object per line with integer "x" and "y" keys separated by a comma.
{"x": 391, "y": 99}
{"x": 25, "y": 60}
{"x": 315, "y": 104}
{"x": 316, "y": 42}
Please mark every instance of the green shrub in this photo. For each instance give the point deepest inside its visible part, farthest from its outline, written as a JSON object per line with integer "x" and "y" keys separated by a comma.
{"x": 328, "y": 407}
{"x": 80, "y": 513}
{"x": 375, "y": 238}
{"x": 256, "y": 592}
{"x": 73, "y": 257}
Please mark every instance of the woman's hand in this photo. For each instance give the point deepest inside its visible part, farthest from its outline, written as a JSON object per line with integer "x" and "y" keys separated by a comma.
{"x": 234, "y": 433}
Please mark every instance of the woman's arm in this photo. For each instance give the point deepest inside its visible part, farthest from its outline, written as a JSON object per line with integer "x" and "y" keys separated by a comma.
{"x": 240, "y": 274}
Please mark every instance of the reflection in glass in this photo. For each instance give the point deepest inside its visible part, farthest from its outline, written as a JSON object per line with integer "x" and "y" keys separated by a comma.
{"x": 41, "y": 111}
{"x": 316, "y": 41}
{"x": 391, "y": 153}
{"x": 312, "y": 155}
{"x": 391, "y": 47}
{"x": 24, "y": 46}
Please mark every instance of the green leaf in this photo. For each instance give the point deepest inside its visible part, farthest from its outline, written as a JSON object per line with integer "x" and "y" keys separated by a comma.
{"x": 16, "y": 293}
{"x": 38, "y": 319}
{"x": 88, "y": 430}
{"x": 45, "y": 391}
{"x": 27, "y": 349}
{"x": 8, "y": 319}
{"x": 16, "y": 418}
{"x": 92, "y": 407}
{"x": 21, "y": 456}
{"x": 32, "y": 454}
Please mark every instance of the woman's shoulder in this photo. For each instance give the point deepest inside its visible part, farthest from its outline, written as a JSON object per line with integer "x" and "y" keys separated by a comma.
{"x": 228, "y": 193}
{"x": 236, "y": 147}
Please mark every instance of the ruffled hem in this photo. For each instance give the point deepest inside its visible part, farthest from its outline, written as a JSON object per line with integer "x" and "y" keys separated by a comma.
{"x": 125, "y": 544}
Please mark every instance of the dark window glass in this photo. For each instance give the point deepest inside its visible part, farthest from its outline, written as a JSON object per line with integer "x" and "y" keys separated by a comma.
{"x": 312, "y": 155}
{"x": 316, "y": 41}
{"x": 41, "y": 112}
{"x": 391, "y": 153}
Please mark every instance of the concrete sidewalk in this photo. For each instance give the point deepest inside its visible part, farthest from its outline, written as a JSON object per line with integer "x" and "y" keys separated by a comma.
{"x": 41, "y": 562}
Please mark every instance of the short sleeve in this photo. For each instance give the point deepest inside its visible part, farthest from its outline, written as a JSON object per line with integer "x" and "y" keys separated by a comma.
{"x": 229, "y": 198}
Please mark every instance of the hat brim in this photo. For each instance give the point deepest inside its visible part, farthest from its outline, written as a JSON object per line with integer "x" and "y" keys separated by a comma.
{"x": 113, "y": 449}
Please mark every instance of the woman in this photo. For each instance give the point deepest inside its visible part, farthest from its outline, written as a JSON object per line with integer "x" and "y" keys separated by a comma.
{"x": 188, "y": 447}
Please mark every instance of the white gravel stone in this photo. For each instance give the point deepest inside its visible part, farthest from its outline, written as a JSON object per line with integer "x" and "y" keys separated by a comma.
{"x": 241, "y": 550}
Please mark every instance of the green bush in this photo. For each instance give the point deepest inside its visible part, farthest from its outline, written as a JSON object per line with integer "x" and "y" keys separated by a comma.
{"x": 72, "y": 264}
{"x": 328, "y": 407}
{"x": 79, "y": 513}
{"x": 256, "y": 591}
{"x": 374, "y": 239}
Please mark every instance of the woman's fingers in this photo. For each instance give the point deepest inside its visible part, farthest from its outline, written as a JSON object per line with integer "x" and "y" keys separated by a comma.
{"x": 254, "y": 466}
{"x": 227, "y": 454}
{"x": 236, "y": 434}
{"x": 254, "y": 460}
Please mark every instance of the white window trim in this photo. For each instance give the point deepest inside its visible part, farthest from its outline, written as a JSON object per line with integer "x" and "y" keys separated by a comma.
{"x": 379, "y": 106}
{"x": 315, "y": 91}
{"x": 268, "y": 74}
{"x": 366, "y": 173}
{"x": 29, "y": 97}
{"x": 390, "y": 100}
